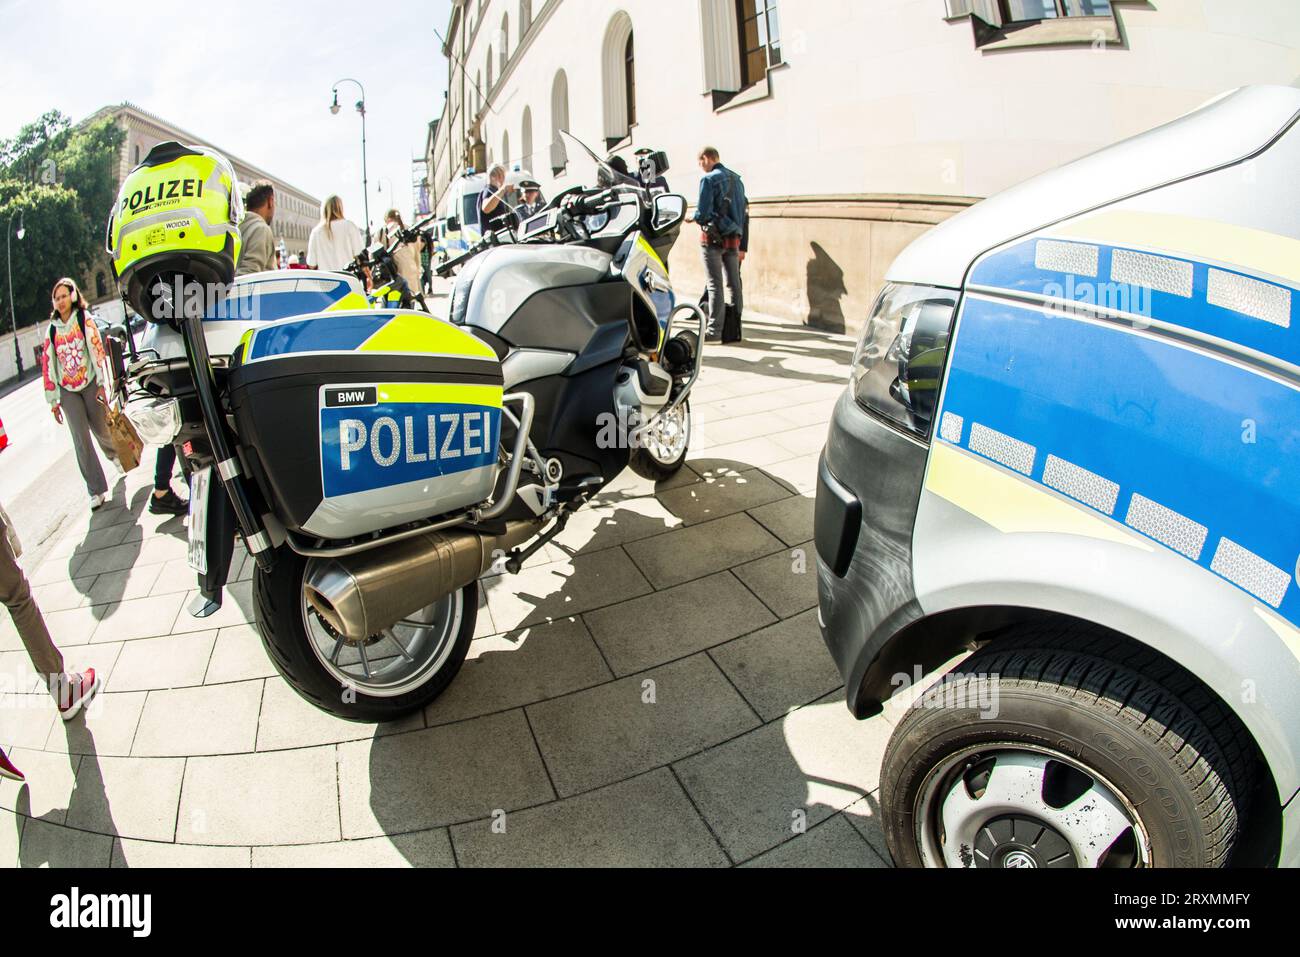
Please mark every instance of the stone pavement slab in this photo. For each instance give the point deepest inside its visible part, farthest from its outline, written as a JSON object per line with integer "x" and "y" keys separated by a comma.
{"x": 699, "y": 550}
{"x": 670, "y": 624}
{"x": 420, "y": 849}
{"x": 833, "y": 843}
{"x": 129, "y": 853}
{"x": 451, "y": 773}
{"x": 288, "y": 797}
{"x": 785, "y": 581}
{"x": 637, "y": 723}
{"x": 45, "y": 844}
{"x": 519, "y": 668}
{"x": 218, "y": 719}
{"x": 814, "y": 762}
{"x": 128, "y": 797}
{"x": 780, "y": 667}
{"x": 644, "y": 822}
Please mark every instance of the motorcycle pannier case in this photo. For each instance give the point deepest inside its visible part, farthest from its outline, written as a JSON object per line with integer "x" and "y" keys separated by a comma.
{"x": 353, "y": 422}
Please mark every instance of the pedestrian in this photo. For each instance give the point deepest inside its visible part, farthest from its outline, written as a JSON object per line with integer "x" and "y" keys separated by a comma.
{"x": 257, "y": 240}
{"x": 70, "y": 691}
{"x": 721, "y": 213}
{"x": 406, "y": 257}
{"x": 335, "y": 241}
{"x": 622, "y": 177}
{"x": 493, "y": 210}
{"x": 648, "y": 173}
{"x": 72, "y": 366}
{"x": 533, "y": 202}
{"x": 164, "y": 501}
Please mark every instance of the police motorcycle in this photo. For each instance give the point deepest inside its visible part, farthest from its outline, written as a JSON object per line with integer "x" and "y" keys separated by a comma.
{"x": 375, "y": 267}
{"x": 377, "y": 463}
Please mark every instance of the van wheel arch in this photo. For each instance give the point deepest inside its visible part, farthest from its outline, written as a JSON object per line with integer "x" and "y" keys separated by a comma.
{"x": 929, "y": 642}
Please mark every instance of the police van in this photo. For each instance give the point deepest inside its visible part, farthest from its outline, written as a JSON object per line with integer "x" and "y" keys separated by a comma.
{"x": 460, "y": 223}
{"x": 1070, "y": 452}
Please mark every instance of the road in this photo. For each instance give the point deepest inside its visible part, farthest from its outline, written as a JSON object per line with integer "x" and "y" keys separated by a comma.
{"x": 40, "y": 484}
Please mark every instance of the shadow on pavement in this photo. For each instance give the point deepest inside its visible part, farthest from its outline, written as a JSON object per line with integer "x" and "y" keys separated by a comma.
{"x": 456, "y": 771}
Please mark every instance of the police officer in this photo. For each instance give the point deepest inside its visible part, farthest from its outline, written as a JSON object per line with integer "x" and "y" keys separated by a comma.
{"x": 494, "y": 211}
{"x": 533, "y": 202}
{"x": 647, "y": 173}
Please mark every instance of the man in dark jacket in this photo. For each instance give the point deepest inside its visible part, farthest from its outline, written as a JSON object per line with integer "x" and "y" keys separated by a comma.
{"x": 721, "y": 213}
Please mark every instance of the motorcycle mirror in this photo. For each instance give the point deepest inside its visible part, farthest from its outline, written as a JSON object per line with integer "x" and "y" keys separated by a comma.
{"x": 669, "y": 211}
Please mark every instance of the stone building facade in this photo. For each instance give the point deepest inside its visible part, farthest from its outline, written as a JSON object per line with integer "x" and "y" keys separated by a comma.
{"x": 857, "y": 124}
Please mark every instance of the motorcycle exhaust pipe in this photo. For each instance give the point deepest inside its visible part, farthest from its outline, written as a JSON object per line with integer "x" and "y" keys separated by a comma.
{"x": 363, "y": 594}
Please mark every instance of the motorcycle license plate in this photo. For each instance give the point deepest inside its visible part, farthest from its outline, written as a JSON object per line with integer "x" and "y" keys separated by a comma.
{"x": 200, "y": 485}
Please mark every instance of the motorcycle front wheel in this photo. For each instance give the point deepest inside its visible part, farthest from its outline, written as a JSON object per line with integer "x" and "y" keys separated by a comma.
{"x": 661, "y": 449}
{"x": 386, "y": 676}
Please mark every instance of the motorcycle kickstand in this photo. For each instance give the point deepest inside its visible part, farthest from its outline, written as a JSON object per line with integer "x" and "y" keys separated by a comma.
{"x": 515, "y": 558}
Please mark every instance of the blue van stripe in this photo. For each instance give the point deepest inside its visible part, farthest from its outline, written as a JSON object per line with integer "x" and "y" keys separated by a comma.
{"x": 1202, "y": 450}
{"x": 1015, "y": 269}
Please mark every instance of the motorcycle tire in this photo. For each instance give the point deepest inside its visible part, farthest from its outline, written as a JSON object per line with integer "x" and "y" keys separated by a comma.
{"x": 281, "y": 621}
{"x": 646, "y": 464}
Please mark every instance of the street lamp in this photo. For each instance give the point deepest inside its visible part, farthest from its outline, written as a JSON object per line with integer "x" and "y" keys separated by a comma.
{"x": 9, "y": 263}
{"x": 361, "y": 108}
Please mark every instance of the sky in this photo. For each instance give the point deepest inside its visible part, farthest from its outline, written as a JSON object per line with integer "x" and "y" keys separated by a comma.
{"x": 254, "y": 80}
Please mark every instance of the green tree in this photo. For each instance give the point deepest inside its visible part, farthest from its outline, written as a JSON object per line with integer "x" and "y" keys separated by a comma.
{"x": 52, "y": 222}
{"x": 64, "y": 180}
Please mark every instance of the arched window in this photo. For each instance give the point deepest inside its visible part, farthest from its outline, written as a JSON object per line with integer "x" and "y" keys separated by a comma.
{"x": 478, "y": 92}
{"x": 525, "y": 18}
{"x": 489, "y": 71}
{"x": 505, "y": 42}
{"x": 527, "y": 158}
{"x": 618, "y": 69}
{"x": 559, "y": 121}
{"x": 629, "y": 71}
{"x": 505, "y": 150}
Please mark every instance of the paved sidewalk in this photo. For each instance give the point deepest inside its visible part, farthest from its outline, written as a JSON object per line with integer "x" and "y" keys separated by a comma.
{"x": 651, "y": 690}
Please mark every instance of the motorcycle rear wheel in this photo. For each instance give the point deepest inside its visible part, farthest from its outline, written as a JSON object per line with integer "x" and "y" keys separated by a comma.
{"x": 661, "y": 453}
{"x": 385, "y": 678}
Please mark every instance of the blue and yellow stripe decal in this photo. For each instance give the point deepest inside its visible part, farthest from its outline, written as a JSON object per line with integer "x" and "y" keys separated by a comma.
{"x": 365, "y": 331}
{"x": 1147, "y": 431}
{"x": 272, "y": 300}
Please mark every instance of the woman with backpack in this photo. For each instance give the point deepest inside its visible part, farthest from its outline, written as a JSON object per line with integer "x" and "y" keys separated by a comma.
{"x": 73, "y": 365}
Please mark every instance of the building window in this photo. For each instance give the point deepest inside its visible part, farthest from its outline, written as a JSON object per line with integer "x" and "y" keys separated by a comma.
{"x": 137, "y": 154}
{"x": 505, "y": 42}
{"x": 505, "y": 150}
{"x": 478, "y": 90}
{"x": 629, "y": 70}
{"x": 525, "y": 18}
{"x": 1014, "y": 11}
{"x": 760, "y": 39}
{"x": 559, "y": 121}
{"x": 618, "y": 73}
{"x": 527, "y": 158}
{"x": 489, "y": 70}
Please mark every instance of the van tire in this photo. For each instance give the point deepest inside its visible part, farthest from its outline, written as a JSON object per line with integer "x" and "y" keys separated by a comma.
{"x": 1167, "y": 746}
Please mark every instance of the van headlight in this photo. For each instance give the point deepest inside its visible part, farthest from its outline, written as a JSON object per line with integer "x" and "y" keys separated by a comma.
{"x": 158, "y": 420}
{"x": 898, "y": 365}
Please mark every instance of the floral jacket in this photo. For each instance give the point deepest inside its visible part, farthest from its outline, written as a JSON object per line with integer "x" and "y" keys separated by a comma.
{"x": 73, "y": 352}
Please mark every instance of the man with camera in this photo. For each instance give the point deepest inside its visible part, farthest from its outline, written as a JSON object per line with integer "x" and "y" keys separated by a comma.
{"x": 721, "y": 214}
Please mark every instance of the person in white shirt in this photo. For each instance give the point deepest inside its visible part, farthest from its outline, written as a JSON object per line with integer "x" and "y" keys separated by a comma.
{"x": 335, "y": 241}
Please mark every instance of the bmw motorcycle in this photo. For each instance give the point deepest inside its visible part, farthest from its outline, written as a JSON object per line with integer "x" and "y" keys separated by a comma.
{"x": 377, "y": 270}
{"x": 377, "y": 463}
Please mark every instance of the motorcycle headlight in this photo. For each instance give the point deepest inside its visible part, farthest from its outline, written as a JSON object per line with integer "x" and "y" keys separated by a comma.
{"x": 898, "y": 366}
{"x": 157, "y": 420}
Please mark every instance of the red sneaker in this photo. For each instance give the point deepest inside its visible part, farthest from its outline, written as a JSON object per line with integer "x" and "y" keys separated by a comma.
{"x": 76, "y": 691}
{"x": 7, "y": 769}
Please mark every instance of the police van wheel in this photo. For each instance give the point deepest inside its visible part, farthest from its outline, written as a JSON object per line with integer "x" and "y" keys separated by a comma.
{"x": 661, "y": 450}
{"x": 385, "y": 677}
{"x": 1034, "y": 754}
